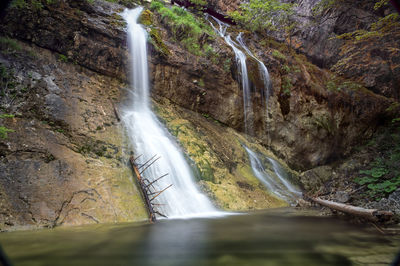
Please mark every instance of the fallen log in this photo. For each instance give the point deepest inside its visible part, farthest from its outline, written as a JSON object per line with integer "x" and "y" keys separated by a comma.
{"x": 116, "y": 112}
{"x": 373, "y": 215}
{"x": 145, "y": 184}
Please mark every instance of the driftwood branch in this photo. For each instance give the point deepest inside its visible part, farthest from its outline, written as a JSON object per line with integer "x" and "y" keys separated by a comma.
{"x": 150, "y": 164}
{"x": 159, "y": 193}
{"x": 116, "y": 112}
{"x": 151, "y": 183}
{"x": 369, "y": 214}
{"x": 146, "y": 161}
{"x": 145, "y": 186}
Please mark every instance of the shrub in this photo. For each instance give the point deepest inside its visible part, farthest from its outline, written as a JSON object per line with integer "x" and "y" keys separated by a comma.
{"x": 185, "y": 27}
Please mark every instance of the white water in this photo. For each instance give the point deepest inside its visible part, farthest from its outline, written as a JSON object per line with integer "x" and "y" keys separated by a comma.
{"x": 276, "y": 180}
{"x": 241, "y": 63}
{"x": 263, "y": 69}
{"x": 149, "y": 137}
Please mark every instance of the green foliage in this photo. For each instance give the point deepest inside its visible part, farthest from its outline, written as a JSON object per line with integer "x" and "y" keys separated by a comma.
{"x": 146, "y": 18}
{"x": 383, "y": 26}
{"x": 286, "y": 69}
{"x": 63, "y": 58}
{"x": 32, "y": 4}
{"x": 186, "y": 28}
{"x": 279, "y": 55}
{"x": 382, "y": 176}
{"x": 4, "y": 131}
{"x": 156, "y": 40}
{"x": 286, "y": 86}
{"x": 336, "y": 84}
{"x": 6, "y": 116}
{"x": 227, "y": 64}
{"x": 18, "y": 4}
{"x": 380, "y": 3}
{"x": 263, "y": 14}
{"x": 199, "y": 4}
{"x": 8, "y": 45}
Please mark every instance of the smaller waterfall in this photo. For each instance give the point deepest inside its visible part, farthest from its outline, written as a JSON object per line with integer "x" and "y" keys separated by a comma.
{"x": 241, "y": 62}
{"x": 263, "y": 69}
{"x": 276, "y": 180}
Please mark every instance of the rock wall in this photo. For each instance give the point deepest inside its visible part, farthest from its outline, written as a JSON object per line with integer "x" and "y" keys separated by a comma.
{"x": 70, "y": 168}
{"x": 65, "y": 162}
{"x": 309, "y": 121}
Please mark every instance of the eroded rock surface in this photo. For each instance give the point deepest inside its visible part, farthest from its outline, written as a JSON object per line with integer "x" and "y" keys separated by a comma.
{"x": 65, "y": 163}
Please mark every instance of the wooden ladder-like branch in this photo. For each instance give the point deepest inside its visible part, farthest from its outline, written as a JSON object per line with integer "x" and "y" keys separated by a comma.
{"x": 145, "y": 185}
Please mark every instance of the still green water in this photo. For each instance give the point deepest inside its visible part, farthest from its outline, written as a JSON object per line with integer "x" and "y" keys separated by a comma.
{"x": 276, "y": 237}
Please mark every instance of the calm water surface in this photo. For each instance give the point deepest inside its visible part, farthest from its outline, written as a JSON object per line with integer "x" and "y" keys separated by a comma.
{"x": 277, "y": 237}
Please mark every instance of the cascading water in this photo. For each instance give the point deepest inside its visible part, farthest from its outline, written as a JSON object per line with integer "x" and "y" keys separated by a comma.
{"x": 241, "y": 62}
{"x": 276, "y": 180}
{"x": 149, "y": 137}
{"x": 263, "y": 69}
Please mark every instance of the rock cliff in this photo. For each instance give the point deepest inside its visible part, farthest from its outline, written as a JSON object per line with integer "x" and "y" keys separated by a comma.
{"x": 66, "y": 161}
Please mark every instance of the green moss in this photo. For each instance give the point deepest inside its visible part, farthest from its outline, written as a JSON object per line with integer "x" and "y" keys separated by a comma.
{"x": 9, "y": 46}
{"x": 4, "y": 131}
{"x": 158, "y": 42}
{"x": 192, "y": 32}
{"x": 222, "y": 163}
{"x": 279, "y": 55}
{"x": 63, "y": 58}
{"x": 146, "y": 18}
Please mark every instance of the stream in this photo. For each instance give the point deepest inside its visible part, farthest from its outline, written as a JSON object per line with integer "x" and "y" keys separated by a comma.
{"x": 275, "y": 237}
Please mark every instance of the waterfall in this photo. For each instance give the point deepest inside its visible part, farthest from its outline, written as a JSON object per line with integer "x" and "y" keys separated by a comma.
{"x": 263, "y": 70}
{"x": 241, "y": 62}
{"x": 275, "y": 181}
{"x": 149, "y": 137}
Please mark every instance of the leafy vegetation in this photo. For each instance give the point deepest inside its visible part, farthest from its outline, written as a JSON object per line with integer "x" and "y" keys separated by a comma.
{"x": 384, "y": 25}
{"x": 186, "y": 28}
{"x": 336, "y": 84}
{"x": 63, "y": 58}
{"x": 4, "y": 130}
{"x": 279, "y": 55}
{"x": 271, "y": 15}
{"x": 199, "y": 4}
{"x": 32, "y": 4}
{"x": 382, "y": 176}
{"x": 8, "y": 45}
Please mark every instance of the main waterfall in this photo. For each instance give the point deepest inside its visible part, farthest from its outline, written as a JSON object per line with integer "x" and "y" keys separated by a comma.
{"x": 149, "y": 137}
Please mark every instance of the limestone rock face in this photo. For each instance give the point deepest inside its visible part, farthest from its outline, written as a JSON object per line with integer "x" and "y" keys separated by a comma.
{"x": 224, "y": 6}
{"x": 64, "y": 164}
{"x": 371, "y": 61}
{"x": 89, "y": 34}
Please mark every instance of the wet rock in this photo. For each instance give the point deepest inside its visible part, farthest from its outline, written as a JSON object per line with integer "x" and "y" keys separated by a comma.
{"x": 391, "y": 203}
{"x": 58, "y": 168}
{"x": 342, "y": 196}
{"x": 315, "y": 178}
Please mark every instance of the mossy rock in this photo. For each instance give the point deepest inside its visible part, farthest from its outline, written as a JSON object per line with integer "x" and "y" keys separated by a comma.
{"x": 222, "y": 164}
{"x": 146, "y": 18}
{"x": 158, "y": 42}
